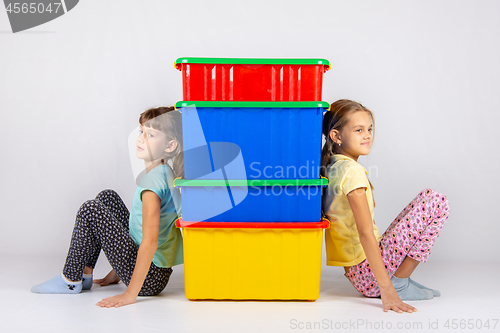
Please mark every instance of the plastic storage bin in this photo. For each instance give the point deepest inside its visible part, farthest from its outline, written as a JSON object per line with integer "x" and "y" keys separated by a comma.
{"x": 260, "y": 261}
{"x": 251, "y": 79}
{"x": 276, "y": 140}
{"x": 291, "y": 200}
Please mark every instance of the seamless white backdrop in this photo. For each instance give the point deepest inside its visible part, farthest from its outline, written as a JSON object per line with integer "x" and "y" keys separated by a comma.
{"x": 72, "y": 89}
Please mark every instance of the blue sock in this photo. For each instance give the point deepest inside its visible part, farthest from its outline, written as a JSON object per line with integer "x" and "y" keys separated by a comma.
{"x": 87, "y": 281}
{"x": 435, "y": 293}
{"x": 58, "y": 285}
{"x": 409, "y": 292}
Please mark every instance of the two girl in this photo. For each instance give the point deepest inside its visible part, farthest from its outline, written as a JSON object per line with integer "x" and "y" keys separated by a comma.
{"x": 143, "y": 245}
{"x": 376, "y": 265}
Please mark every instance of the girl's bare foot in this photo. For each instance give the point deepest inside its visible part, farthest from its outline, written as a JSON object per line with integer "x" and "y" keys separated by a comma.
{"x": 111, "y": 278}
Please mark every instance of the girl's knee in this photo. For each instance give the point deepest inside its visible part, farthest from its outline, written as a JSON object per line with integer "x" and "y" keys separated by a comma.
{"x": 442, "y": 201}
{"x": 437, "y": 196}
{"x": 86, "y": 212}
{"x": 428, "y": 192}
{"x": 89, "y": 206}
{"x": 107, "y": 193}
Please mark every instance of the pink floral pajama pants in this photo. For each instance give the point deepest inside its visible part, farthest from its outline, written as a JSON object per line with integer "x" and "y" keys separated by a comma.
{"x": 411, "y": 234}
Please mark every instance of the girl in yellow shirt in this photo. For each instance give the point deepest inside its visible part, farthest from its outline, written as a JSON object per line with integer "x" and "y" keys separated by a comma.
{"x": 376, "y": 265}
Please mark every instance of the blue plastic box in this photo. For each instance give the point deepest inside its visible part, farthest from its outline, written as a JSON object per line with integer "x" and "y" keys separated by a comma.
{"x": 291, "y": 200}
{"x": 252, "y": 140}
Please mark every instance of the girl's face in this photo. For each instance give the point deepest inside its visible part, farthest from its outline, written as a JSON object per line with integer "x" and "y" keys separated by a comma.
{"x": 355, "y": 137}
{"x": 151, "y": 145}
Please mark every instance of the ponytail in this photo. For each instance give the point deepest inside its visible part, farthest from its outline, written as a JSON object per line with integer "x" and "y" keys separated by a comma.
{"x": 326, "y": 155}
{"x": 329, "y": 146}
{"x": 178, "y": 165}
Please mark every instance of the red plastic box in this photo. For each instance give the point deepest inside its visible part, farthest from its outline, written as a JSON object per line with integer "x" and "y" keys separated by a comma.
{"x": 252, "y": 79}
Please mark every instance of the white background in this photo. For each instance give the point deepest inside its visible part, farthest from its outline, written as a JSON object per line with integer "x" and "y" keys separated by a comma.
{"x": 71, "y": 91}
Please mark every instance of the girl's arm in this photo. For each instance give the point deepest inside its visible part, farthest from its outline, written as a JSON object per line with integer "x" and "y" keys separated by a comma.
{"x": 151, "y": 205}
{"x": 361, "y": 211}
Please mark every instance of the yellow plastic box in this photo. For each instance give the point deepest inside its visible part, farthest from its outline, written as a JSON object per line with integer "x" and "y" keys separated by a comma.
{"x": 252, "y": 261}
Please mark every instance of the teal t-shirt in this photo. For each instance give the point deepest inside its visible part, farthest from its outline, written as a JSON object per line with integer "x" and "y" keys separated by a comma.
{"x": 160, "y": 180}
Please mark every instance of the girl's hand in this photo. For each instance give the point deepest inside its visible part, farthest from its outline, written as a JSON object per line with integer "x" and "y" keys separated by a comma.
{"x": 391, "y": 301}
{"x": 362, "y": 216}
{"x": 117, "y": 301}
{"x": 111, "y": 278}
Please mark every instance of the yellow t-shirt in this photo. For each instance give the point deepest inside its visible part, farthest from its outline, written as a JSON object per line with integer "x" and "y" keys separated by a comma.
{"x": 343, "y": 247}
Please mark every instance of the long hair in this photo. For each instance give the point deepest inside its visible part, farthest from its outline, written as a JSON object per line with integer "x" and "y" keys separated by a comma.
{"x": 169, "y": 121}
{"x": 336, "y": 118}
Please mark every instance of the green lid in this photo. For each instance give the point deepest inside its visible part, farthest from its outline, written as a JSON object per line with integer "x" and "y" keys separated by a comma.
{"x": 252, "y": 61}
{"x": 252, "y": 182}
{"x": 282, "y": 105}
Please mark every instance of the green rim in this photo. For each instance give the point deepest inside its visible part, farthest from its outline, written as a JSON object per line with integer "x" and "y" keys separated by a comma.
{"x": 282, "y": 105}
{"x": 252, "y": 182}
{"x": 253, "y": 61}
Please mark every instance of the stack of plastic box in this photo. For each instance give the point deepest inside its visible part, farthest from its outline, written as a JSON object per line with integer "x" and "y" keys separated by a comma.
{"x": 251, "y": 196}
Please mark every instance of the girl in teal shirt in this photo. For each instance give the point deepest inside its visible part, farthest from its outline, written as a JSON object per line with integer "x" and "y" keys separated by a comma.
{"x": 143, "y": 245}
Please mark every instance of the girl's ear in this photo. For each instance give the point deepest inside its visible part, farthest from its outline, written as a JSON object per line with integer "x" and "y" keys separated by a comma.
{"x": 171, "y": 145}
{"x": 335, "y": 135}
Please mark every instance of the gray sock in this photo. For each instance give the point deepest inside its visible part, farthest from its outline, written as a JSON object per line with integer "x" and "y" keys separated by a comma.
{"x": 87, "y": 281}
{"x": 58, "y": 285}
{"x": 435, "y": 293}
{"x": 409, "y": 292}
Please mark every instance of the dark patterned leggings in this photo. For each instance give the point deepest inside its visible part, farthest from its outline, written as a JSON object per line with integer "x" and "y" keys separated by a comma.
{"x": 102, "y": 223}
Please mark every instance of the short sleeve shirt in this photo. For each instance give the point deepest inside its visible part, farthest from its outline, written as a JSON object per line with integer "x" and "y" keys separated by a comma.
{"x": 169, "y": 252}
{"x": 343, "y": 247}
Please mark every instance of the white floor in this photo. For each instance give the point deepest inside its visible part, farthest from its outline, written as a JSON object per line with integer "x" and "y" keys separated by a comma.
{"x": 468, "y": 297}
